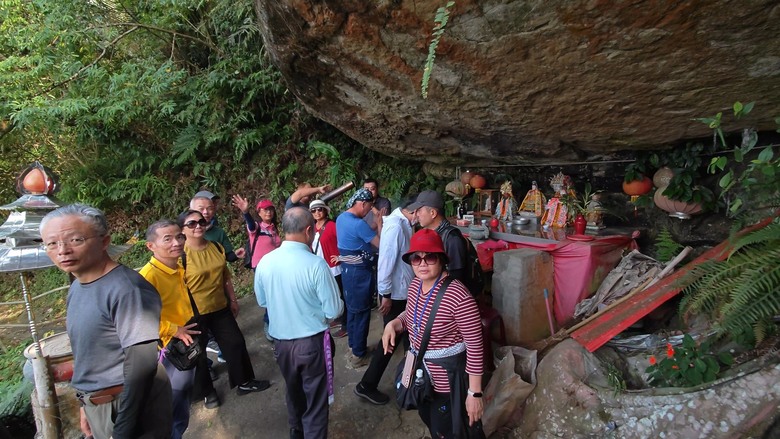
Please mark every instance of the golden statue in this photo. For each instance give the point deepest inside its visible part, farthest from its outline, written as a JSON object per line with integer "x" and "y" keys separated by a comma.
{"x": 533, "y": 202}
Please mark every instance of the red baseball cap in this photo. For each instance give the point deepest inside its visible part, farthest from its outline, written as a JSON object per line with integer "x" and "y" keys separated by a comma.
{"x": 264, "y": 204}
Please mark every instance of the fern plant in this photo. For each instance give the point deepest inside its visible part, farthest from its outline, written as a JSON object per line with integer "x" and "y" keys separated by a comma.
{"x": 741, "y": 292}
{"x": 666, "y": 247}
{"x": 442, "y": 17}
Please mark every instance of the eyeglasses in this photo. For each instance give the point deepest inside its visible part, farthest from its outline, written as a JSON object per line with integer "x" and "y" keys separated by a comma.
{"x": 430, "y": 259}
{"x": 71, "y": 243}
{"x": 192, "y": 224}
{"x": 317, "y": 209}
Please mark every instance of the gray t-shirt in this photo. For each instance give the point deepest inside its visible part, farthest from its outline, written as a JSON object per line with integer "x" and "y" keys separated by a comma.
{"x": 104, "y": 317}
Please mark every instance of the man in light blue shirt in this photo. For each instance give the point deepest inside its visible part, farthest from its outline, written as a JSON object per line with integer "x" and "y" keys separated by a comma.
{"x": 300, "y": 292}
{"x": 393, "y": 279}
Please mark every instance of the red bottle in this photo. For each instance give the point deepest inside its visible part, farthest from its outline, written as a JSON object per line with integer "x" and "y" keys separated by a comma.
{"x": 579, "y": 225}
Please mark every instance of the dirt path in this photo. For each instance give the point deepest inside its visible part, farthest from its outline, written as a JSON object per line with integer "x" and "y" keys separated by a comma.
{"x": 264, "y": 414}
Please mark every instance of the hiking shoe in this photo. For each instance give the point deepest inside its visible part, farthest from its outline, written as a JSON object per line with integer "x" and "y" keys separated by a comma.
{"x": 220, "y": 358}
{"x": 341, "y": 333}
{"x": 211, "y": 401}
{"x": 212, "y": 346}
{"x": 373, "y": 396}
{"x": 358, "y": 362}
{"x": 253, "y": 386}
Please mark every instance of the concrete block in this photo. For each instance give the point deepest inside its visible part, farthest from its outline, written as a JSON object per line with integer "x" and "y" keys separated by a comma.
{"x": 519, "y": 279}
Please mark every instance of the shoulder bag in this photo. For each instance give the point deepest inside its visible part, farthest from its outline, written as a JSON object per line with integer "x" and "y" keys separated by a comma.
{"x": 413, "y": 390}
{"x": 181, "y": 356}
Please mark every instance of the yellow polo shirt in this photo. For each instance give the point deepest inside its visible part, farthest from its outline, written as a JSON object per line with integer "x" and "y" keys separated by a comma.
{"x": 176, "y": 307}
{"x": 206, "y": 274}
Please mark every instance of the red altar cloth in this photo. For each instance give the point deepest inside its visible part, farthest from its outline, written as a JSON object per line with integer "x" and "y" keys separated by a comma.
{"x": 579, "y": 266}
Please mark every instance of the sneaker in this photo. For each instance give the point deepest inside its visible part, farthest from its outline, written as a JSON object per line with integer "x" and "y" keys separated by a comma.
{"x": 212, "y": 400}
{"x": 341, "y": 333}
{"x": 373, "y": 396}
{"x": 220, "y": 358}
{"x": 253, "y": 386}
{"x": 358, "y": 362}
{"x": 212, "y": 346}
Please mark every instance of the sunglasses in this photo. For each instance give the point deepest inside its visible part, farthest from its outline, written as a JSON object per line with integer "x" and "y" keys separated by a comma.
{"x": 318, "y": 209}
{"x": 192, "y": 224}
{"x": 430, "y": 259}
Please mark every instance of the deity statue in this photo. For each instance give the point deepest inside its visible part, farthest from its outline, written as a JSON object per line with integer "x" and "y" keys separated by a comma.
{"x": 533, "y": 202}
{"x": 506, "y": 205}
{"x": 556, "y": 213}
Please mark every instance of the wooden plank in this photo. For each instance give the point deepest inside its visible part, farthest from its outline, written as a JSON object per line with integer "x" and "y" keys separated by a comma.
{"x": 609, "y": 323}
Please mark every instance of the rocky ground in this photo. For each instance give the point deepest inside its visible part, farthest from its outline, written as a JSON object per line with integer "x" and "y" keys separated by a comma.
{"x": 264, "y": 415}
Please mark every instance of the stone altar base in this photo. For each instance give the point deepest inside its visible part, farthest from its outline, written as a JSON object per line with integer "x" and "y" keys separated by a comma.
{"x": 519, "y": 279}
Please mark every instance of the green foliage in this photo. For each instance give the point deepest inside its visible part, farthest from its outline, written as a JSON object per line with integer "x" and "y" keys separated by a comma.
{"x": 739, "y": 293}
{"x": 11, "y": 363}
{"x": 440, "y": 23}
{"x": 666, "y": 248}
{"x": 688, "y": 165}
{"x": 125, "y": 101}
{"x": 750, "y": 184}
{"x": 615, "y": 379}
{"x": 14, "y": 392}
{"x": 688, "y": 365}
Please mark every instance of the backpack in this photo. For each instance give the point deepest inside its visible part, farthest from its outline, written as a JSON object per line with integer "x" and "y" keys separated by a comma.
{"x": 475, "y": 278}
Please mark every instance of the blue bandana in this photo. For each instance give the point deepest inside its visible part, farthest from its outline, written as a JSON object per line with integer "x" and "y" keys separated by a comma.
{"x": 361, "y": 194}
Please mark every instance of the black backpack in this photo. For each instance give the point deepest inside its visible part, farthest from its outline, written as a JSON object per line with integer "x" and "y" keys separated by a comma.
{"x": 475, "y": 278}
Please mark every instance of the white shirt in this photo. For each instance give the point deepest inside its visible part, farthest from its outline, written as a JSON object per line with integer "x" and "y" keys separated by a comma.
{"x": 393, "y": 274}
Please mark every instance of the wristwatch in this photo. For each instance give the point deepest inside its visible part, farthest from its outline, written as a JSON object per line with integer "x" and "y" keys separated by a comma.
{"x": 475, "y": 394}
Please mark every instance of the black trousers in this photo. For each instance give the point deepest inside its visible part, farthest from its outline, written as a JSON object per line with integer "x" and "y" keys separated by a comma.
{"x": 302, "y": 363}
{"x": 380, "y": 360}
{"x": 231, "y": 341}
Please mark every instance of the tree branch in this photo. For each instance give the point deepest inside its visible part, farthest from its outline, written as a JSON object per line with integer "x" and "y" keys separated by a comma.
{"x": 95, "y": 61}
{"x": 208, "y": 44}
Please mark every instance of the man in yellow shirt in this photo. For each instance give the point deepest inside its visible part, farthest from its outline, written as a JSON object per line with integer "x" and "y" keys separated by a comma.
{"x": 166, "y": 241}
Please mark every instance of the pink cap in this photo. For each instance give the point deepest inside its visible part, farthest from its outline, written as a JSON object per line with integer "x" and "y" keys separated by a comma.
{"x": 264, "y": 204}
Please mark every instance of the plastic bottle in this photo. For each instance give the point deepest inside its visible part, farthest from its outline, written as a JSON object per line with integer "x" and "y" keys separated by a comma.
{"x": 418, "y": 377}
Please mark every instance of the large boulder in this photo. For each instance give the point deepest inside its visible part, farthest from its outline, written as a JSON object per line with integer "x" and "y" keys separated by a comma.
{"x": 526, "y": 81}
{"x": 573, "y": 398}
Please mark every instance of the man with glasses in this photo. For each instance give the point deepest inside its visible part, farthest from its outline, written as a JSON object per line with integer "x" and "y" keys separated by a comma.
{"x": 205, "y": 205}
{"x": 355, "y": 241}
{"x": 113, "y": 318}
{"x": 394, "y": 277}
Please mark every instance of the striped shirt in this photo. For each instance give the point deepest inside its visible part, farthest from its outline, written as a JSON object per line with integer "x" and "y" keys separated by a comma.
{"x": 456, "y": 323}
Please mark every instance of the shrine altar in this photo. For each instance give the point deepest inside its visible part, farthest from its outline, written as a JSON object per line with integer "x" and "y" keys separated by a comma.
{"x": 579, "y": 266}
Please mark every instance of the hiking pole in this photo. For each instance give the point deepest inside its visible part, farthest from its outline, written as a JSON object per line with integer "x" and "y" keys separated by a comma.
{"x": 549, "y": 311}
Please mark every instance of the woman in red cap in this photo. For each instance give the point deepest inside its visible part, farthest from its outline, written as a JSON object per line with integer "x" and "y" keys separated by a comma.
{"x": 262, "y": 239}
{"x": 453, "y": 360}
{"x": 265, "y": 238}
